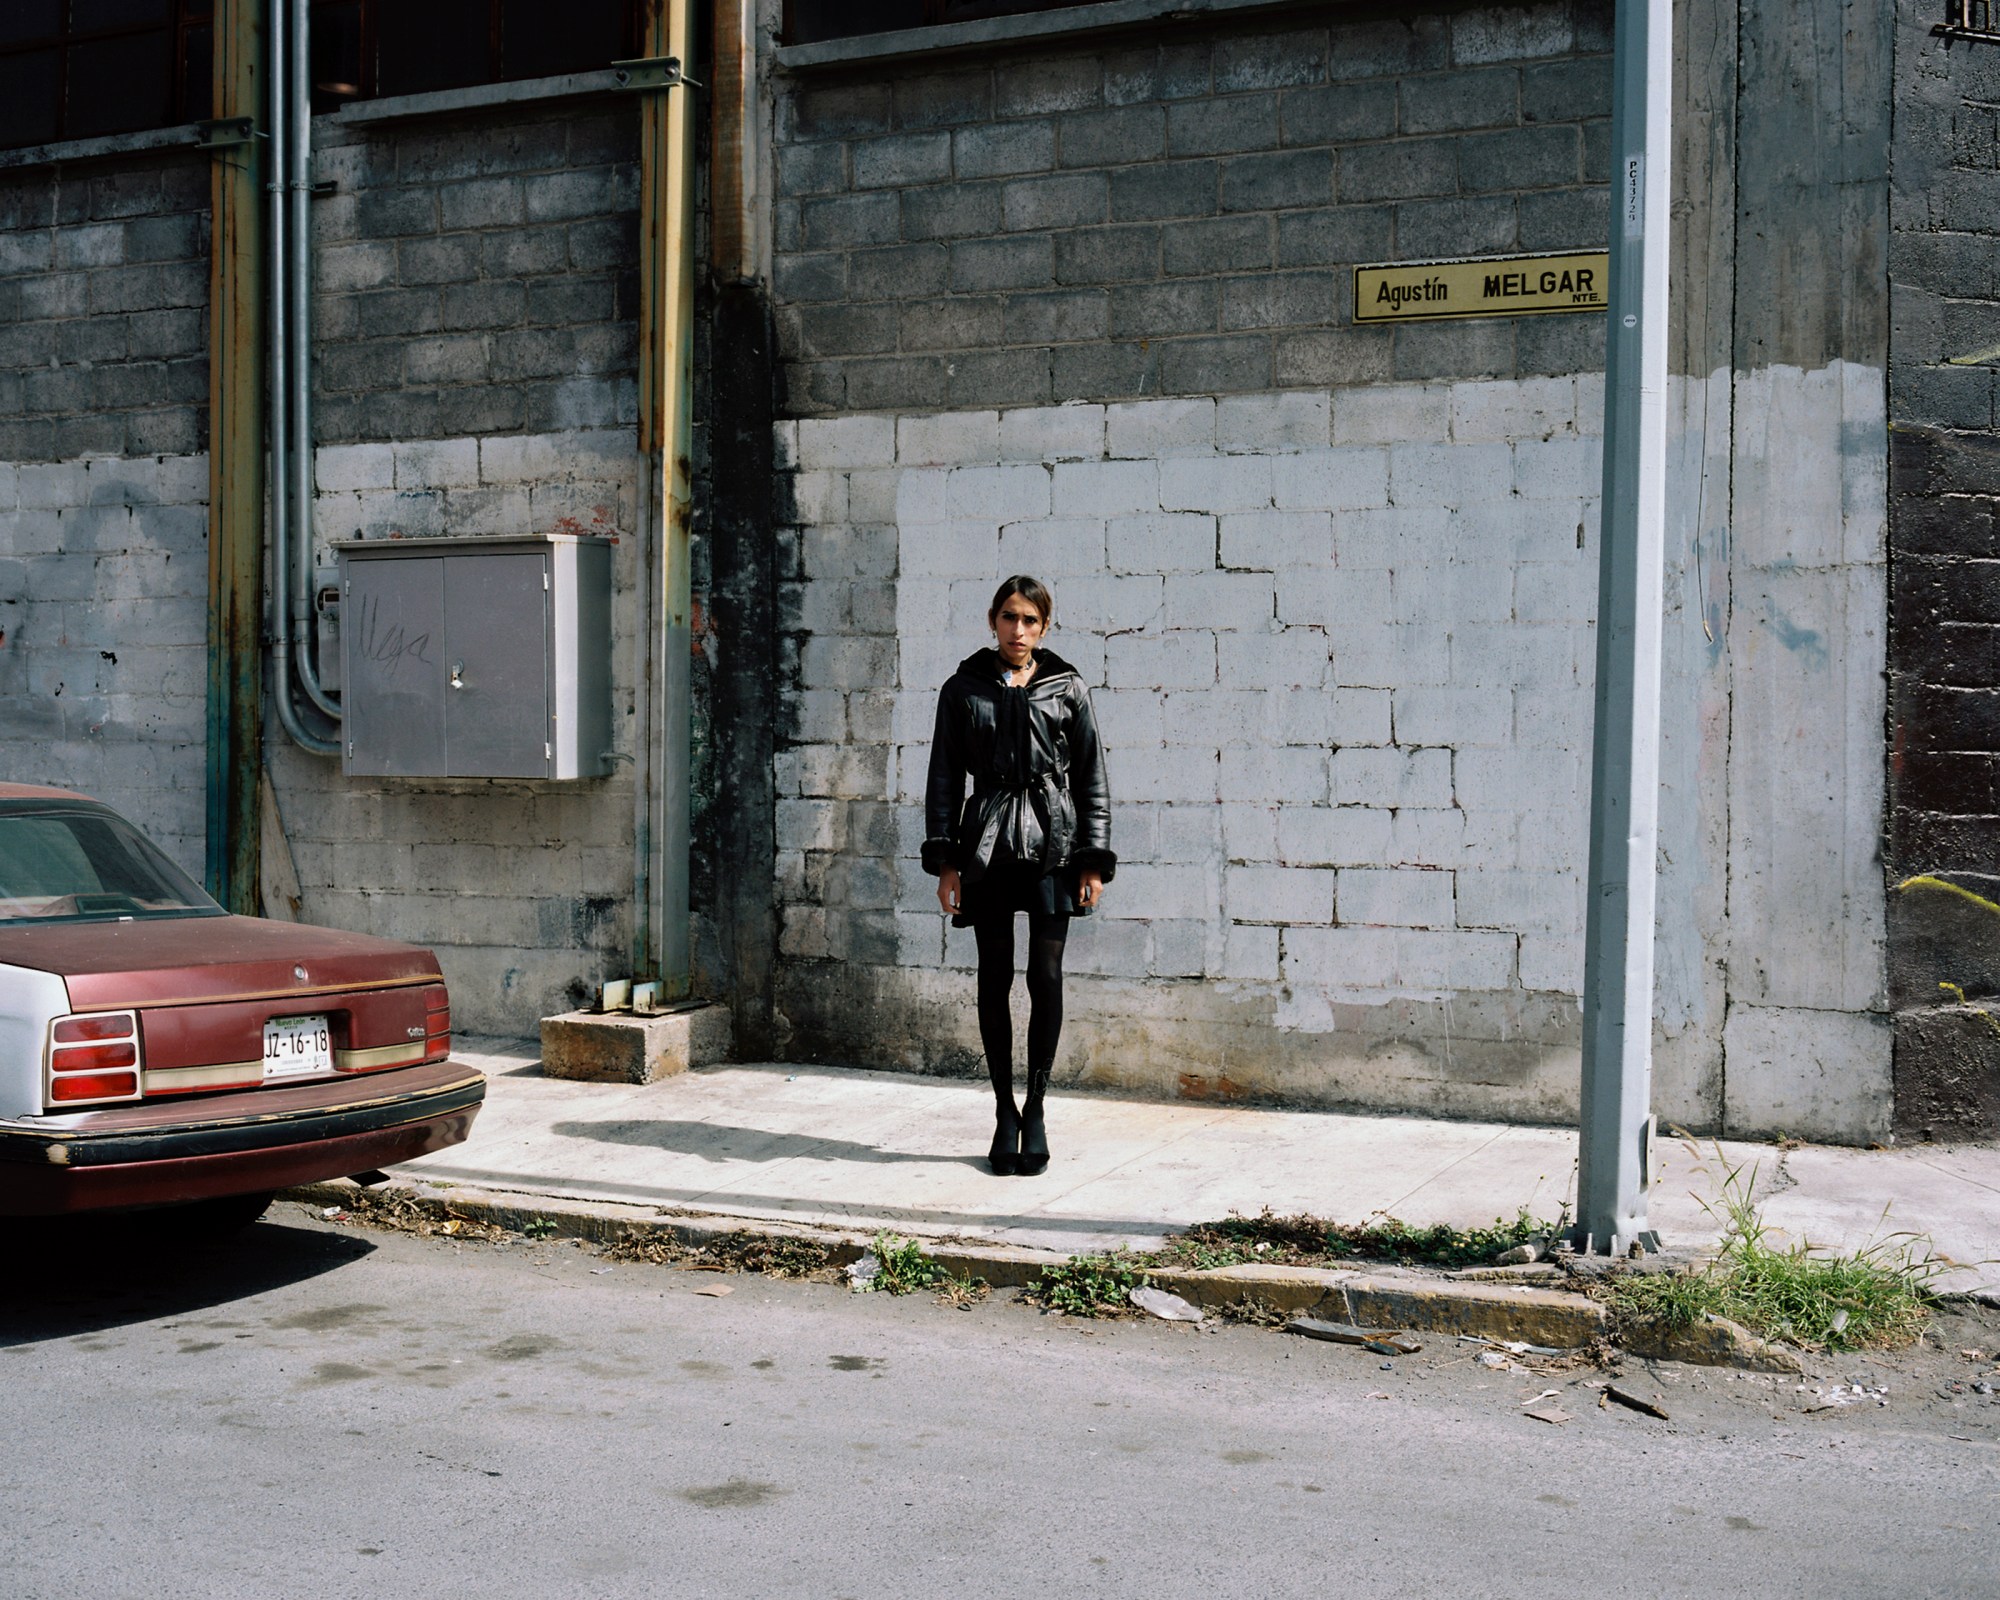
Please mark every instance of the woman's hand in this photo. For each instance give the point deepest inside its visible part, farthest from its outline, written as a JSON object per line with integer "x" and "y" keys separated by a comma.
{"x": 950, "y": 895}
{"x": 1089, "y": 889}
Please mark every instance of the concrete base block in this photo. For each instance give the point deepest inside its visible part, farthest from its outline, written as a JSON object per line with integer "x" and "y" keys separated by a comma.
{"x": 614, "y": 1047}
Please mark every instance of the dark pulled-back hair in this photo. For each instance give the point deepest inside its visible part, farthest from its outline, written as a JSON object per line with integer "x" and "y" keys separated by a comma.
{"x": 1029, "y": 589}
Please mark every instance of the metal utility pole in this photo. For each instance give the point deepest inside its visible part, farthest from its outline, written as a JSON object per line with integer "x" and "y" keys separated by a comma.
{"x": 1615, "y": 1156}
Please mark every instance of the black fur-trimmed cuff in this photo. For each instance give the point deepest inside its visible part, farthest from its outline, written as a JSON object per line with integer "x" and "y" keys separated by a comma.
{"x": 1102, "y": 862}
{"x": 939, "y": 854}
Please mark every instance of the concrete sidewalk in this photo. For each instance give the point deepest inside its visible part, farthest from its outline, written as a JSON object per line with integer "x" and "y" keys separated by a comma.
{"x": 862, "y": 1150}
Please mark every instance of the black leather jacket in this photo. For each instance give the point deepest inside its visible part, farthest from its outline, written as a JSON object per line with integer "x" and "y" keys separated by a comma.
{"x": 1036, "y": 767}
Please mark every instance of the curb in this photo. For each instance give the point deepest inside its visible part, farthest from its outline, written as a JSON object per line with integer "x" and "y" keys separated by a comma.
{"x": 1388, "y": 1299}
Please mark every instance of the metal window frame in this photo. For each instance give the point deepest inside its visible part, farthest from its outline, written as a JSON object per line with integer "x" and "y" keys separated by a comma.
{"x": 941, "y": 13}
{"x": 186, "y": 93}
{"x": 1976, "y": 21}
{"x": 633, "y": 23}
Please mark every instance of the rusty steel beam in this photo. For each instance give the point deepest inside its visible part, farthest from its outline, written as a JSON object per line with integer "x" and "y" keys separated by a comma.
{"x": 235, "y": 753}
{"x": 661, "y": 945}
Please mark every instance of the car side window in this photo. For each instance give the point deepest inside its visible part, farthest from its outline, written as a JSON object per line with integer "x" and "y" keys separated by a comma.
{"x": 41, "y": 856}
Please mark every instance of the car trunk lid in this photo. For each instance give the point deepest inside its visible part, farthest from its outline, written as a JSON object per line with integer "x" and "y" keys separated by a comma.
{"x": 174, "y": 961}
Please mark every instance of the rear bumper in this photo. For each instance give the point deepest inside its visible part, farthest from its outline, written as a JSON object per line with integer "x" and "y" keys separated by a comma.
{"x": 225, "y": 1144}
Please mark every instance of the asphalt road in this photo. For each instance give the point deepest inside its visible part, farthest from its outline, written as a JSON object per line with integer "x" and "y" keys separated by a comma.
{"x": 312, "y": 1410}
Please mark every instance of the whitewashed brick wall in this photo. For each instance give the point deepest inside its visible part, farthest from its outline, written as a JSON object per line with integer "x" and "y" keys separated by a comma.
{"x": 1307, "y": 622}
{"x": 1342, "y": 647}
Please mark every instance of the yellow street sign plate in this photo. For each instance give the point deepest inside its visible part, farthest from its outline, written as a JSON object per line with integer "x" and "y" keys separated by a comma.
{"x": 1488, "y": 286}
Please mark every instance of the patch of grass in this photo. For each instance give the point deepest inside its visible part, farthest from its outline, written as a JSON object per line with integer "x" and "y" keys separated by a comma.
{"x": 1089, "y": 1286}
{"x": 1875, "y": 1297}
{"x": 1309, "y": 1241}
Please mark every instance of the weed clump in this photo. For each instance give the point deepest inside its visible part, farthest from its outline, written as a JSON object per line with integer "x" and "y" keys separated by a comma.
{"x": 1875, "y": 1297}
{"x": 1308, "y": 1241}
{"x": 1089, "y": 1286}
{"x": 903, "y": 1266}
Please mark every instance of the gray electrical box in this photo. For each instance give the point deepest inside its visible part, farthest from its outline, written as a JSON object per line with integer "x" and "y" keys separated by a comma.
{"x": 475, "y": 657}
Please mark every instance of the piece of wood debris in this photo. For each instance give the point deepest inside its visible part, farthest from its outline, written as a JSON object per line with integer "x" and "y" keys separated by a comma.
{"x": 1347, "y": 1333}
{"x": 1634, "y": 1402}
{"x": 715, "y": 1291}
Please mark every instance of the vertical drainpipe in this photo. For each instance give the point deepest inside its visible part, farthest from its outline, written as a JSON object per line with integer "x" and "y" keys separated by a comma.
{"x": 235, "y": 754}
{"x": 666, "y": 435}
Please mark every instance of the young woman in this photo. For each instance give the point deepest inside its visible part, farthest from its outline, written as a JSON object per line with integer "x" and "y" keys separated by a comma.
{"x": 1034, "y": 836}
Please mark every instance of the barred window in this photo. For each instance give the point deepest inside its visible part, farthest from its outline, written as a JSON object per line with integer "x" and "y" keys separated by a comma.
{"x": 77, "y": 69}
{"x": 814, "y": 21}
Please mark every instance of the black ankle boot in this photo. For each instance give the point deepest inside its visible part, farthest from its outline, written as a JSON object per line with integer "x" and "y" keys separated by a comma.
{"x": 1034, "y": 1155}
{"x": 1004, "y": 1155}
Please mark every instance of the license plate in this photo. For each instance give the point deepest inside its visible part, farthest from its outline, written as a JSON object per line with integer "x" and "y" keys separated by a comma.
{"x": 296, "y": 1046}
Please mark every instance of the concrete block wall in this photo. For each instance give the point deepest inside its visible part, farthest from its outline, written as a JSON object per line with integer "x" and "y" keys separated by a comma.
{"x": 1340, "y": 649}
{"x": 475, "y": 307}
{"x": 1944, "y": 653}
{"x": 1176, "y": 216}
{"x": 477, "y": 275}
{"x": 1083, "y": 311}
{"x": 104, "y": 486}
{"x": 523, "y": 888}
{"x": 475, "y": 325}
{"x": 103, "y": 309}
{"x": 103, "y": 621}
{"x": 1341, "y": 646}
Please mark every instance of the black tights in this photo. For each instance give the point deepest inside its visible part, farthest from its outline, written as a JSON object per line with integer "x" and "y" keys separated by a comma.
{"x": 995, "y": 935}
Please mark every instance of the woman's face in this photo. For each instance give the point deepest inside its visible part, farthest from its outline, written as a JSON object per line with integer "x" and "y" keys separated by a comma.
{"x": 1018, "y": 628}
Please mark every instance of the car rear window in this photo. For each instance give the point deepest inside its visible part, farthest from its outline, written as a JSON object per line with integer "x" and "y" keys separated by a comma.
{"x": 78, "y": 864}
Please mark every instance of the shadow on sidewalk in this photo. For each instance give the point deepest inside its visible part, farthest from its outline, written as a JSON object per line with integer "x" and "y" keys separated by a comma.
{"x": 716, "y": 1141}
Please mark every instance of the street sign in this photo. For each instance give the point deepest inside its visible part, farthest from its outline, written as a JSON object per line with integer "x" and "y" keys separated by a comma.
{"x": 1484, "y": 286}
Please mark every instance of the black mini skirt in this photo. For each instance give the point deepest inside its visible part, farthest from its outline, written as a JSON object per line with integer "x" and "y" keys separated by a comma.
{"x": 1017, "y": 887}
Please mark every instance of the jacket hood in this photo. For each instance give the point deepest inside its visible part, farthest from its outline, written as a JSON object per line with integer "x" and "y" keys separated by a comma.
{"x": 986, "y": 664}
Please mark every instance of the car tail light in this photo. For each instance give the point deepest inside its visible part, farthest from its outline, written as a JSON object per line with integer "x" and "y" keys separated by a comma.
{"x": 94, "y": 1058}
{"x": 76, "y": 1086}
{"x": 437, "y": 1023}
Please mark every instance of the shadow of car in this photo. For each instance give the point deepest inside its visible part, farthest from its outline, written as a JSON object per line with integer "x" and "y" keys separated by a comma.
{"x": 156, "y": 1050}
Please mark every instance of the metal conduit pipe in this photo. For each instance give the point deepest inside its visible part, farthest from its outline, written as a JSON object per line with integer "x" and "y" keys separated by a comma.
{"x": 666, "y": 395}
{"x": 283, "y": 612}
{"x": 298, "y": 200}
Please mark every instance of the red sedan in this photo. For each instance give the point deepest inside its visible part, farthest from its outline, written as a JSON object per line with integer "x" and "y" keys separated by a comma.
{"x": 155, "y": 1049}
